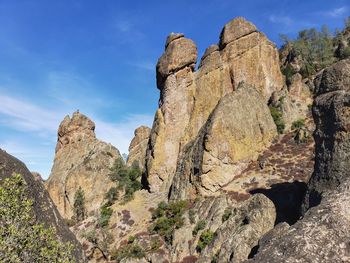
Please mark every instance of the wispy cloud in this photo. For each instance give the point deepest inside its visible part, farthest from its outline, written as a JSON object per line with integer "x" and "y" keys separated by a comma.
{"x": 40, "y": 122}
{"x": 280, "y": 19}
{"x": 336, "y": 12}
{"x": 146, "y": 65}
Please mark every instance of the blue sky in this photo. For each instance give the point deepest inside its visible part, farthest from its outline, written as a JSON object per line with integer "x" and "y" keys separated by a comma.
{"x": 99, "y": 57}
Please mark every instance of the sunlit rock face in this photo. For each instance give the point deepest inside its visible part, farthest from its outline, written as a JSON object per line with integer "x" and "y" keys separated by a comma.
{"x": 81, "y": 160}
{"x": 243, "y": 58}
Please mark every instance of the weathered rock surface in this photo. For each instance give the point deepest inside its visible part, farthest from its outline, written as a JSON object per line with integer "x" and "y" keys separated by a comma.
{"x": 44, "y": 208}
{"x": 245, "y": 224}
{"x": 81, "y": 160}
{"x": 243, "y": 55}
{"x": 239, "y": 128}
{"x": 138, "y": 147}
{"x": 322, "y": 234}
{"x": 331, "y": 111}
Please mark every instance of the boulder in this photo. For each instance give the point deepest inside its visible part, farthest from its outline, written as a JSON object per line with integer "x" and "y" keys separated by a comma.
{"x": 83, "y": 161}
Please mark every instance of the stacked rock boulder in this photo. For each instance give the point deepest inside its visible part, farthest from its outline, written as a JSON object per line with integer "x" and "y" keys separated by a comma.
{"x": 244, "y": 59}
{"x": 81, "y": 161}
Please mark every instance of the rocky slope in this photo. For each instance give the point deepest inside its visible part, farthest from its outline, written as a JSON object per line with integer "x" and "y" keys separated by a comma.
{"x": 44, "y": 209}
{"x": 83, "y": 161}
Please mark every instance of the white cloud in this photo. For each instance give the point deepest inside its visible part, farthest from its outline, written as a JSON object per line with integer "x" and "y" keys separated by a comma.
{"x": 336, "y": 12}
{"x": 146, "y": 65}
{"x": 27, "y": 117}
{"x": 278, "y": 19}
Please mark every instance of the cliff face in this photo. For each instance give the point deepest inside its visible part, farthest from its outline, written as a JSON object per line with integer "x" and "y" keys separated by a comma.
{"x": 44, "y": 208}
{"x": 189, "y": 97}
{"x": 83, "y": 161}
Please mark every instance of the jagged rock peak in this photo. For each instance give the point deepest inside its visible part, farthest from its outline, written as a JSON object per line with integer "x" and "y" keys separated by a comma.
{"x": 235, "y": 29}
{"x": 178, "y": 54}
{"x": 74, "y": 129}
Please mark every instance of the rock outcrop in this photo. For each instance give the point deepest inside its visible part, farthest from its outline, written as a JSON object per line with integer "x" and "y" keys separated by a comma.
{"x": 44, "y": 208}
{"x": 189, "y": 97}
{"x": 83, "y": 161}
{"x": 238, "y": 129}
{"x": 322, "y": 234}
{"x": 138, "y": 147}
{"x": 331, "y": 112}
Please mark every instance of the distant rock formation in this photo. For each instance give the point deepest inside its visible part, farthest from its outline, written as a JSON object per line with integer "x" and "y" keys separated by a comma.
{"x": 81, "y": 160}
{"x": 138, "y": 147}
{"x": 44, "y": 209}
{"x": 322, "y": 234}
{"x": 189, "y": 97}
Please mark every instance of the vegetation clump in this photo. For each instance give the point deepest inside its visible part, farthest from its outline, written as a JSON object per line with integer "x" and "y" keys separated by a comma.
{"x": 201, "y": 224}
{"x": 167, "y": 218}
{"x": 131, "y": 250}
{"x": 298, "y": 124}
{"x": 128, "y": 179}
{"x": 79, "y": 205}
{"x": 277, "y": 118}
{"x": 22, "y": 239}
{"x": 205, "y": 239}
{"x": 226, "y": 215}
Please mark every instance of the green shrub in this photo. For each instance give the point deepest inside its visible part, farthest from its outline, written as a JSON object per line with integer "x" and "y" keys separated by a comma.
{"x": 277, "y": 118}
{"x": 201, "y": 224}
{"x": 226, "y": 215}
{"x": 167, "y": 218}
{"x": 300, "y": 123}
{"x": 191, "y": 216}
{"x": 288, "y": 72}
{"x": 111, "y": 195}
{"x": 130, "y": 250}
{"x": 127, "y": 178}
{"x": 155, "y": 244}
{"x": 205, "y": 239}
{"x": 105, "y": 214}
{"x": 79, "y": 205}
{"x": 21, "y": 238}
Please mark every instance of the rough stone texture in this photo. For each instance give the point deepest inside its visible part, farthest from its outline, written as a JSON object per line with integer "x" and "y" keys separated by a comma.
{"x": 80, "y": 161}
{"x": 331, "y": 112}
{"x": 179, "y": 53}
{"x": 44, "y": 209}
{"x": 322, "y": 236}
{"x": 335, "y": 77}
{"x": 138, "y": 147}
{"x": 185, "y": 106}
{"x": 235, "y": 29}
{"x": 236, "y": 237}
{"x": 239, "y": 128}
{"x": 248, "y": 222}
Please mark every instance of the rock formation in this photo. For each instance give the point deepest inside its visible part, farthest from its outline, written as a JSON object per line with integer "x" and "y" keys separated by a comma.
{"x": 44, "y": 209}
{"x": 332, "y": 118}
{"x": 243, "y": 55}
{"x": 83, "y": 161}
{"x": 138, "y": 147}
{"x": 322, "y": 234}
{"x": 238, "y": 129}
